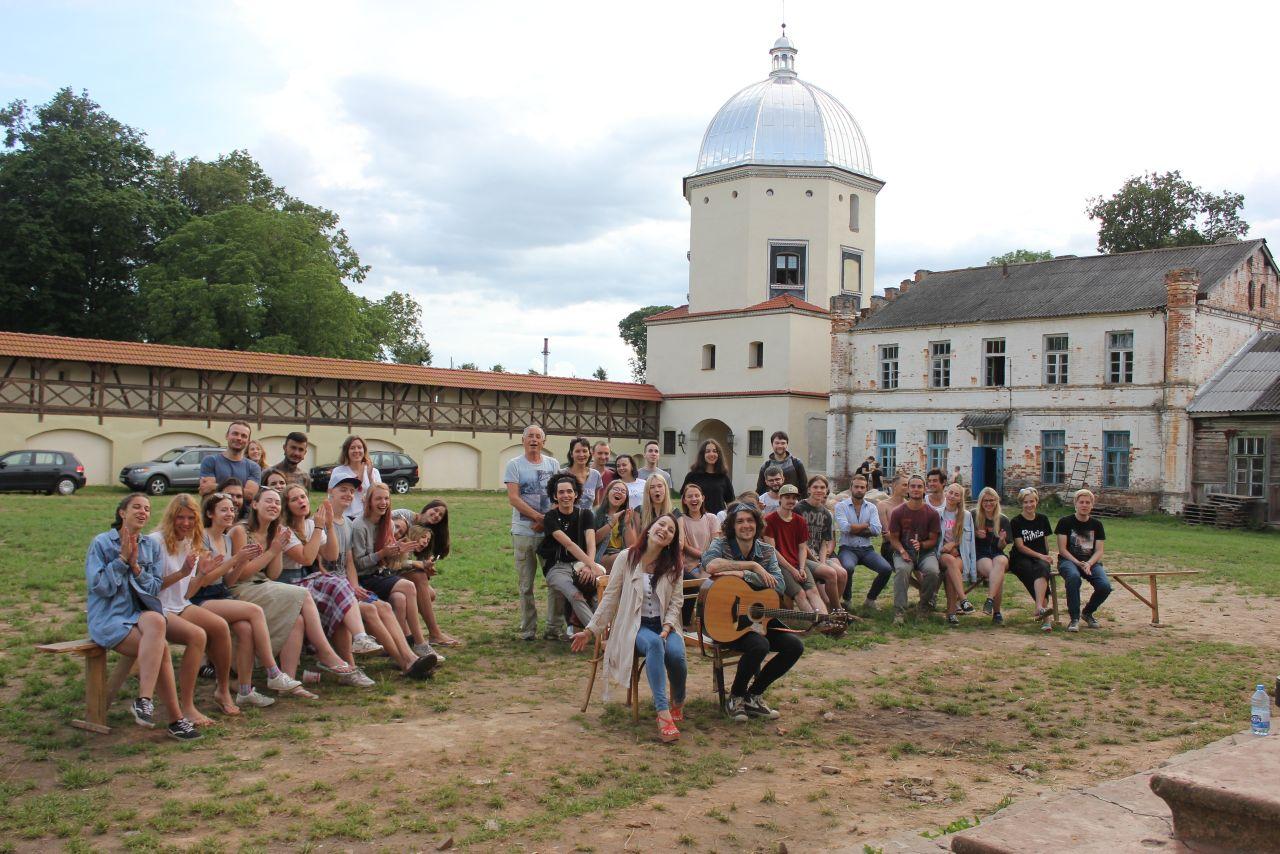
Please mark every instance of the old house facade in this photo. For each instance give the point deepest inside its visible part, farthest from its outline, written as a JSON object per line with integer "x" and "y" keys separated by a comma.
{"x": 1055, "y": 374}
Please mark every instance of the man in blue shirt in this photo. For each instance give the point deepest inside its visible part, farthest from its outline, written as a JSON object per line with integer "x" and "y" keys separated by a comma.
{"x": 858, "y": 521}
{"x": 216, "y": 468}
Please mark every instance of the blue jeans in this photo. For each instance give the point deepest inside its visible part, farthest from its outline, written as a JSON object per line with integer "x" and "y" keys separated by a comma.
{"x": 851, "y": 556}
{"x": 663, "y": 659}
{"x": 1071, "y": 578}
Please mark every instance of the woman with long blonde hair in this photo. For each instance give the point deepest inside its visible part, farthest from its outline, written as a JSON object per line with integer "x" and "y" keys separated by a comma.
{"x": 655, "y": 503}
{"x": 955, "y": 552}
{"x": 180, "y": 538}
{"x": 991, "y": 536}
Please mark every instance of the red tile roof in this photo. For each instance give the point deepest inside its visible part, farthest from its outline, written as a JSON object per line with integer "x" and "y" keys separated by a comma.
{"x": 201, "y": 359}
{"x": 778, "y": 303}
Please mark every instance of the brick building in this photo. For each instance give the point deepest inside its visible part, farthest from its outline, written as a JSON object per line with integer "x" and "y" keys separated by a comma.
{"x": 1051, "y": 373}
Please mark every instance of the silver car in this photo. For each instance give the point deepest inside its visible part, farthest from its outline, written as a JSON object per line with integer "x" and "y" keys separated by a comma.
{"x": 178, "y": 469}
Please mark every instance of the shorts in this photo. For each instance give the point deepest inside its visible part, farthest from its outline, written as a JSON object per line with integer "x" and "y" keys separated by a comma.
{"x": 1027, "y": 571}
{"x": 791, "y": 587}
{"x": 380, "y": 584}
{"x": 213, "y": 591}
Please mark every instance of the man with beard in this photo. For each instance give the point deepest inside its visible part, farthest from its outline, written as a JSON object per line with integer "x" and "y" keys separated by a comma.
{"x": 232, "y": 463}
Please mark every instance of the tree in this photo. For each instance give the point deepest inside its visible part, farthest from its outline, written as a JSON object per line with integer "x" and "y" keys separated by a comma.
{"x": 601, "y": 374}
{"x": 535, "y": 372}
{"x": 394, "y": 324}
{"x": 1020, "y": 256}
{"x": 468, "y": 366}
{"x": 82, "y": 205}
{"x": 1153, "y": 211}
{"x": 632, "y": 330}
{"x": 498, "y": 369}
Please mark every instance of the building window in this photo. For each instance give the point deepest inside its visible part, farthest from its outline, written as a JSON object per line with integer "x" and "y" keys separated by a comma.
{"x": 1251, "y": 290}
{"x": 1120, "y": 357}
{"x": 787, "y": 269}
{"x": 855, "y": 212}
{"x": 1056, "y": 354}
{"x": 851, "y": 271}
{"x": 1115, "y": 459}
{"x": 993, "y": 362}
{"x": 940, "y": 364}
{"x": 708, "y": 357}
{"x": 887, "y": 450}
{"x": 1053, "y": 456}
{"x": 990, "y": 438}
{"x": 668, "y": 441}
{"x": 888, "y": 365}
{"x": 755, "y": 354}
{"x": 937, "y": 449}
{"x": 755, "y": 443}
{"x": 1248, "y": 465}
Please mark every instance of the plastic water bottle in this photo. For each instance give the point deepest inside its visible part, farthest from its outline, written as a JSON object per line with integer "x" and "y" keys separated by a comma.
{"x": 1260, "y": 712}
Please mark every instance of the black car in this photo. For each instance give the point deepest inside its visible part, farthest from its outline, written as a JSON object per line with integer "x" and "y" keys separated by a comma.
{"x": 41, "y": 471}
{"x": 398, "y": 471}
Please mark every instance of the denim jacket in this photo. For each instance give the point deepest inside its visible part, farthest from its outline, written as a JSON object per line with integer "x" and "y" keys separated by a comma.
{"x": 111, "y": 607}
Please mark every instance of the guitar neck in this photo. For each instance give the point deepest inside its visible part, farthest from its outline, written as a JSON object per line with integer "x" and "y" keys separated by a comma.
{"x": 787, "y": 614}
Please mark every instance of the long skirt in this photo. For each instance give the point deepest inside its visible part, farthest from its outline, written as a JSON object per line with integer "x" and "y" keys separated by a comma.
{"x": 281, "y": 603}
{"x": 333, "y": 597}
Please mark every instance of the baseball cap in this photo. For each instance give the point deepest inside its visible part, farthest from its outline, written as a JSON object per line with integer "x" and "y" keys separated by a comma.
{"x": 354, "y": 481}
{"x": 788, "y": 489}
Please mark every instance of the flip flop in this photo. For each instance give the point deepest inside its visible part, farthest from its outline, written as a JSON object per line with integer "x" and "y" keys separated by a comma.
{"x": 341, "y": 670}
{"x": 301, "y": 693}
{"x": 449, "y": 642}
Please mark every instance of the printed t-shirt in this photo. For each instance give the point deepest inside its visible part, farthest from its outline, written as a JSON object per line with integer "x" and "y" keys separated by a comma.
{"x": 1082, "y": 537}
{"x": 787, "y": 536}
{"x": 822, "y": 526}
{"x": 922, "y": 524}
{"x": 1032, "y": 532}
{"x": 532, "y": 479}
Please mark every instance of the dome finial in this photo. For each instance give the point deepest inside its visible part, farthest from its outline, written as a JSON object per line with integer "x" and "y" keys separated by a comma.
{"x": 784, "y": 56}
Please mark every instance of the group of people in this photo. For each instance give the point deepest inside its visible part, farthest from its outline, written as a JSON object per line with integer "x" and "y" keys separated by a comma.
{"x": 250, "y": 571}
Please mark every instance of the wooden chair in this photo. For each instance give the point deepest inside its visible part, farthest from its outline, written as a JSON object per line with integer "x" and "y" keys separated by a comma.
{"x": 720, "y": 656}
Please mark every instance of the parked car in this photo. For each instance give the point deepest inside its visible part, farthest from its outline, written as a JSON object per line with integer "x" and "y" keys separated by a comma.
{"x": 178, "y": 469}
{"x": 398, "y": 471}
{"x": 41, "y": 471}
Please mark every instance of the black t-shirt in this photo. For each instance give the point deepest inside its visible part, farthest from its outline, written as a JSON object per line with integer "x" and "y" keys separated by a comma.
{"x": 986, "y": 540}
{"x": 575, "y": 525}
{"x": 1032, "y": 532}
{"x": 1082, "y": 537}
{"x": 717, "y": 489}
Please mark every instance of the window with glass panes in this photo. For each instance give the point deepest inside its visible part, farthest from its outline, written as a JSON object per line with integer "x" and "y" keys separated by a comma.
{"x": 1056, "y": 356}
{"x": 993, "y": 362}
{"x": 755, "y": 443}
{"x": 1115, "y": 459}
{"x": 888, "y": 365}
{"x": 1120, "y": 357}
{"x": 1053, "y": 456}
{"x": 937, "y": 440}
{"x": 887, "y": 450}
{"x": 1248, "y": 464}
{"x": 940, "y": 364}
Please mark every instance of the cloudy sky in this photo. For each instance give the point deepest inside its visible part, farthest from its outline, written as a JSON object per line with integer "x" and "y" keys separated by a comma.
{"x": 517, "y": 166}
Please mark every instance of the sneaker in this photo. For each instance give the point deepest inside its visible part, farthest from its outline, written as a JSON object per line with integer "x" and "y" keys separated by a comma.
{"x": 997, "y": 619}
{"x": 552, "y": 635}
{"x": 755, "y": 706}
{"x": 424, "y": 649}
{"x": 1073, "y": 626}
{"x": 989, "y": 606}
{"x": 952, "y": 621}
{"x": 364, "y": 643}
{"x": 528, "y": 637}
{"x": 423, "y": 667}
{"x": 207, "y": 671}
{"x": 1040, "y": 612}
{"x": 1091, "y": 622}
{"x": 254, "y": 699}
{"x": 356, "y": 679}
{"x": 184, "y": 730}
{"x": 966, "y": 607}
{"x": 281, "y": 682}
{"x": 144, "y": 712}
{"x": 1047, "y": 627}
{"x": 735, "y": 708}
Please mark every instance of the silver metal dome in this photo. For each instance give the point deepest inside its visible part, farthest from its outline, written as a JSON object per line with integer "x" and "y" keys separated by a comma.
{"x": 784, "y": 121}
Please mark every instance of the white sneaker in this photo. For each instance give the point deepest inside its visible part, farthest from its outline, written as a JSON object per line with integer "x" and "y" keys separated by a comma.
{"x": 281, "y": 682}
{"x": 356, "y": 678}
{"x": 253, "y": 698}
{"x": 364, "y": 644}
{"x": 424, "y": 649}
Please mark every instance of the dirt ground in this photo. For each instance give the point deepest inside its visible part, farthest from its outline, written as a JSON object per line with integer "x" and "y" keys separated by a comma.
{"x": 906, "y": 734}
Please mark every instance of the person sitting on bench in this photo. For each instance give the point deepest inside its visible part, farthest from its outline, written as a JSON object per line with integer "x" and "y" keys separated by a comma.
{"x": 1029, "y": 560}
{"x": 123, "y": 570}
{"x": 914, "y": 530}
{"x": 1081, "y": 542}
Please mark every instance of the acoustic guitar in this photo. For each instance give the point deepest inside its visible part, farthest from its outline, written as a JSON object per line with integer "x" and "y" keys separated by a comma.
{"x": 731, "y": 607}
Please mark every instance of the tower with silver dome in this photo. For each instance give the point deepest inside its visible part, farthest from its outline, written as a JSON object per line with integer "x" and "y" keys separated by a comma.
{"x": 782, "y": 219}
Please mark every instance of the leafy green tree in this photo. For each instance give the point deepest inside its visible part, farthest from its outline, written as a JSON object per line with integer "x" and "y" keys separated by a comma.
{"x": 394, "y": 325}
{"x": 1153, "y": 210}
{"x": 1020, "y": 256}
{"x": 82, "y": 203}
{"x": 601, "y": 374}
{"x": 468, "y": 366}
{"x": 498, "y": 369}
{"x": 632, "y": 330}
{"x": 535, "y": 372}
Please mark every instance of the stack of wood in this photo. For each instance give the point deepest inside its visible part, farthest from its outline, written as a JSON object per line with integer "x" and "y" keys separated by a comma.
{"x": 1113, "y": 511}
{"x": 1221, "y": 511}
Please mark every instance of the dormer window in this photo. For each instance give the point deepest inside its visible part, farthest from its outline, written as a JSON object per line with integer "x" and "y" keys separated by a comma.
{"x": 787, "y": 269}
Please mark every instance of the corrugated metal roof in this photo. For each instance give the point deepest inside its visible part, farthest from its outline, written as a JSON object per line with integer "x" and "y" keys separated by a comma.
{"x": 202, "y": 359}
{"x": 1248, "y": 382}
{"x": 1098, "y": 284}
{"x": 984, "y": 420}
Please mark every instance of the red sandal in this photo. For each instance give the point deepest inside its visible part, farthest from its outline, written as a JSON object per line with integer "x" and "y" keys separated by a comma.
{"x": 677, "y": 714}
{"x": 667, "y": 731}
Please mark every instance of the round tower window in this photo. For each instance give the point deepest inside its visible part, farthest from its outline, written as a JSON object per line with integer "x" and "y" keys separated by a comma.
{"x": 808, "y": 194}
{"x": 768, "y": 192}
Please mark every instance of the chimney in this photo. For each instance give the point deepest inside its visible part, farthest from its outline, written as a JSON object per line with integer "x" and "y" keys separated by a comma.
{"x": 891, "y": 294}
{"x": 877, "y": 302}
{"x": 845, "y": 305}
{"x": 902, "y": 288}
{"x": 1004, "y": 270}
{"x": 920, "y": 274}
{"x": 1181, "y": 287}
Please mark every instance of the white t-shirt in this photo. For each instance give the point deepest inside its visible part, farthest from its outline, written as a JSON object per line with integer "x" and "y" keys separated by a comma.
{"x": 371, "y": 476}
{"x": 635, "y": 491}
{"x": 291, "y": 571}
{"x": 652, "y": 606}
{"x": 174, "y": 597}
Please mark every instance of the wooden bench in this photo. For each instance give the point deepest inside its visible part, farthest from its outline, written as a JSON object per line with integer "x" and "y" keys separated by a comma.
{"x": 99, "y": 691}
{"x": 1152, "y": 576}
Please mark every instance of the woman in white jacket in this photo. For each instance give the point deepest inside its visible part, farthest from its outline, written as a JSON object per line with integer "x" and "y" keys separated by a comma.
{"x": 956, "y": 554}
{"x": 641, "y": 608}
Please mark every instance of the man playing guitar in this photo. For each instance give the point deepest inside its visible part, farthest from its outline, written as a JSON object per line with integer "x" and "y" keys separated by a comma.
{"x": 740, "y": 551}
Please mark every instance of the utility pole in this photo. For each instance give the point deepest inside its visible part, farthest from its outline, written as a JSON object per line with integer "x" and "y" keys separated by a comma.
{"x": 546, "y": 351}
